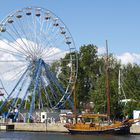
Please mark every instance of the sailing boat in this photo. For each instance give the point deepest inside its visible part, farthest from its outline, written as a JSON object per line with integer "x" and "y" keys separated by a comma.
{"x": 106, "y": 126}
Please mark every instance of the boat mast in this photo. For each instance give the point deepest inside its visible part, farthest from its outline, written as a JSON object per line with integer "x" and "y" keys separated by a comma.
{"x": 107, "y": 83}
{"x": 74, "y": 100}
{"x": 120, "y": 87}
{"x": 119, "y": 82}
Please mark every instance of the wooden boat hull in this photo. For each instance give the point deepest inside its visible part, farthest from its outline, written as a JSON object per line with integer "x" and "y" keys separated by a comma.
{"x": 119, "y": 130}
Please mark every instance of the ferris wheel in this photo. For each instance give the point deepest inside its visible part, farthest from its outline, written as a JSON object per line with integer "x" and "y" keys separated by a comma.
{"x": 38, "y": 63}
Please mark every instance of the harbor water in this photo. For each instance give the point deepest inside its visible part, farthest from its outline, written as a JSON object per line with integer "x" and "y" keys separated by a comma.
{"x": 61, "y": 136}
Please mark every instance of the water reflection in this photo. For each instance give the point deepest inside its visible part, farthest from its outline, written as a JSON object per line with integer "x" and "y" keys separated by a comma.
{"x": 60, "y": 136}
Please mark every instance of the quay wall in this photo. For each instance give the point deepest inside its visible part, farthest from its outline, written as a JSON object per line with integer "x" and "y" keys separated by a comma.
{"x": 135, "y": 129}
{"x": 30, "y": 127}
{"x": 57, "y": 127}
{"x": 40, "y": 127}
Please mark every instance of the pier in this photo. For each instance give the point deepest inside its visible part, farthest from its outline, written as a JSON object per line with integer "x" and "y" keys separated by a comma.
{"x": 135, "y": 129}
{"x": 33, "y": 127}
{"x": 6, "y": 127}
{"x": 40, "y": 127}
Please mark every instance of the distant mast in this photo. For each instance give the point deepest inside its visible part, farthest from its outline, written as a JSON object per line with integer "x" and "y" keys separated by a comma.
{"x": 75, "y": 102}
{"x": 107, "y": 83}
{"x": 74, "y": 99}
{"x": 119, "y": 82}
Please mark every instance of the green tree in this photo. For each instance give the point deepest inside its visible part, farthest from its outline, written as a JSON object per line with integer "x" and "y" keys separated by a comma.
{"x": 87, "y": 72}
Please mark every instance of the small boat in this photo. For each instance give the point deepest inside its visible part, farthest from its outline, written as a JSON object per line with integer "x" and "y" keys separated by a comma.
{"x": 105, "y": 125}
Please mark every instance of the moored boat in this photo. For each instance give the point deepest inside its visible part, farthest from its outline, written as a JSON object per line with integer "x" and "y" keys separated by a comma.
{"x": 113, "y": 129}
{"x": 102, "y": 127}
{"x": 116, "y": 127}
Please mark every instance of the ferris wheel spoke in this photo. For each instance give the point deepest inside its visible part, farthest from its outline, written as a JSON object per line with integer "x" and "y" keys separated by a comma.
{"x": 12, "y": 53}
{"x": 25, "y": 96}
{"x": 16, "y": 44}
{"x": 41, "y": 26}
{"x": 16, "y": 75}
{"x": 9, "y": 61}
{"x": 49, "y": 26}
{"x": 34, "y": 32}
{"x": 54, "y": 53}
{"x": 54, "y": 80}
{"x": 41, "y": 98}
{"x": 50, "y": 48}
{"x": 14, "y": 47}
{"x": 58, "y": 43}
{"x": 50, "y": 84}
{"x": 14, "y": 88}
{"x": 16, "y": 97}
{"x": 49, "y": 44}
{"x": 3, "y": 87}
{"x": 47, "y": 97}
{"x": 39, "y": 21}
{"x": 46, "y": 93}
{"x": 44, "y": 43}
{"x": 53, "y": 35}
{"x": 20, "y": 37}
{"x": 50, "y": 61}
{"x": 57, "y": 40}
{"x": 11, "y": 70}
{"x": 14, "y": 39}
{"x": 51, "y": 87}
{"x": 28, "y": 27}
{"x": 29, "y": 45}
{"x": 48, "y": 51}
{"x": 30, "y": 36}
{"x": 49, "y": 40}
{"x": 33, "y": 35}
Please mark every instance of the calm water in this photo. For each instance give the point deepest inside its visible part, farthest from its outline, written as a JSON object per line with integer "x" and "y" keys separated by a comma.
{"x": 58, "y": 136}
